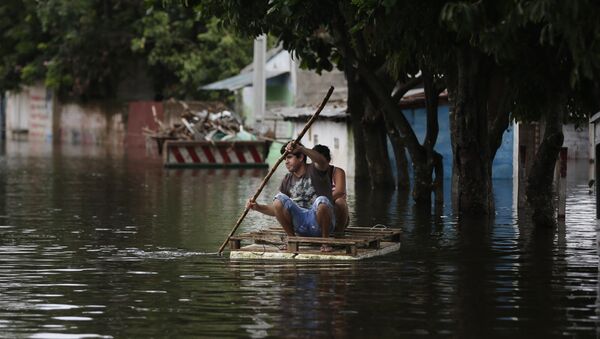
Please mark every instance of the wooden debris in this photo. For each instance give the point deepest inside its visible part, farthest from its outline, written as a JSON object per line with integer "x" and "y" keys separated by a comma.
{"x": 212, "y": 123}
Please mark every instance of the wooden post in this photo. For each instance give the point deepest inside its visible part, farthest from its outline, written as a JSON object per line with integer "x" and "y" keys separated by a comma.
{"x": 596, "y": 176}
{"x": 561, "y": 184}
{"x": 522, "y": 176}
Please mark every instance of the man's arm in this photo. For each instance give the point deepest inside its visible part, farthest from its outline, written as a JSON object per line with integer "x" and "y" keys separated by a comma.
{"x": 339, "y": 177}
{"x": 264, "y": 209}
{"x": 317, "y": 158}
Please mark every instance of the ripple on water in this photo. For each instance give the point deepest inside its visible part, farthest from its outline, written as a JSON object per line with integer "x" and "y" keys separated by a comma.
{"x": 62, "y": 335}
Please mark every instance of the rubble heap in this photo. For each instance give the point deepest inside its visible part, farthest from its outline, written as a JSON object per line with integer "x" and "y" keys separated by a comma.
{"x": 201, "y": 125}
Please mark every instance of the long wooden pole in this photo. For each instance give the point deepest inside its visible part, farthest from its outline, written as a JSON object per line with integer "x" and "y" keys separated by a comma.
{"x": 266, "y": 179}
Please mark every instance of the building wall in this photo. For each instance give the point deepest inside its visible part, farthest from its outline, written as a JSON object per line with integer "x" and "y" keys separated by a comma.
{"x": 29, "y": 113}
{"x": 335, "y": 135}
{"x": 90, "y": 125}
{"x": 502, "y": 166}
{"x": 35, "y": 114}
{"x": 140, "y": 115}
{"x": 312, "y": 87}
{"x": 577, "y": 141}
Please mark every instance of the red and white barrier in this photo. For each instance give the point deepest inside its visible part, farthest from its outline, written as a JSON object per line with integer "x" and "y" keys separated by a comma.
{"x": 215, "y": 154}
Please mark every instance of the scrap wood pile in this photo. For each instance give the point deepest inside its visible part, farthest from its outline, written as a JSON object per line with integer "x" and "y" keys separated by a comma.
{"x": 218, "y": 125}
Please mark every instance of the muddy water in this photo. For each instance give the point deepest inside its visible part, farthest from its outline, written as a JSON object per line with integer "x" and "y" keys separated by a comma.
{"x": 102, "y": 244}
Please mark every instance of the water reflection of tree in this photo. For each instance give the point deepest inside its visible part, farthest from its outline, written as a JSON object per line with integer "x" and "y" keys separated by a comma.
{"x": 375, "y": 206}
{"x": 475, "y": 280}
{"x": 541, "y": 281}
{"x": 303, "y": 300}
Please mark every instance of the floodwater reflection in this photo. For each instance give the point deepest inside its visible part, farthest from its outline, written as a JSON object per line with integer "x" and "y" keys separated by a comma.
{"x": 98, "y": 243}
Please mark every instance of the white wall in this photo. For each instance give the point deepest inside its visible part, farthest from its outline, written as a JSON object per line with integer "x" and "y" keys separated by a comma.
{"x": 90, "y": 125}
{"x": 36, "y": 111}
{"x": 30, "y": 110}
{"x": 577, "y": 140}
{"x": 336, "y": 136}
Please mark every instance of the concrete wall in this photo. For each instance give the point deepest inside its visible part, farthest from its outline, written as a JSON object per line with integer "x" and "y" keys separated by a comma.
{"x": 502, "y": 166}
{"x": 35, "y": 114}
{"x": 577, "y": 141}
{"x": 335, "y": 135}
{"x": 91, "y": 125}
{"x": 312, "y": 87}
{"x": 140, "y": 115}
{"x": 29, "y": 114}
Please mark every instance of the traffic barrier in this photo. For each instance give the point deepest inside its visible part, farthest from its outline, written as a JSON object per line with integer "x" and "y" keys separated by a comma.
{"x": 215, "y": 154}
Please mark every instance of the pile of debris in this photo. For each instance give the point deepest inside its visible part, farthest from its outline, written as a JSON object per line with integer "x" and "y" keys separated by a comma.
{"x": 201, "y": 125}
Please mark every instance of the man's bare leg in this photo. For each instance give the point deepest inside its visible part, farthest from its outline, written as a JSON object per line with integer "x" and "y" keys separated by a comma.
{"x": 324, "y": 221}
{"x": 283, "y": 217}
{"x": 341, "y": 215}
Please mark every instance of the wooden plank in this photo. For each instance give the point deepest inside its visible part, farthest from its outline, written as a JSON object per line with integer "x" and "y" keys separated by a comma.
{"x": 390, "y": 234}
{"x": 329, "y": 241}
{"x": 262, "y": 252}
{"x": 348, "y": 243}
{"x": 234, "y": 244}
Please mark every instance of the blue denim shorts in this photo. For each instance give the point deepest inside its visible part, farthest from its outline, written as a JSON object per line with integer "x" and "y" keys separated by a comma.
{"x": 305, "y": 220}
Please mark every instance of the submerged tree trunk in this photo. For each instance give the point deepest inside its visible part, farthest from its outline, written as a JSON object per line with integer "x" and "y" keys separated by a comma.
{"x": 356, "y": 108}
{"x": 539, "y": 191}
{"x": 403, "y": 177}
{"x": 429, "y": 169}
{"x": 383, "y": 99}
{"x": 421, "y": 158}
{"x": 472, "y": 159}
{"x": 378, "y": 162}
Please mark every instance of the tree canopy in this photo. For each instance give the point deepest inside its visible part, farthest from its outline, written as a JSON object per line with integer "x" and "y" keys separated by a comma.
{"x": 83, "y": 49}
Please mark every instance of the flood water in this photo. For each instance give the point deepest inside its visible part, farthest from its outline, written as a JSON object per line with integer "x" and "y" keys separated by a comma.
{"x": 96, "y": 243}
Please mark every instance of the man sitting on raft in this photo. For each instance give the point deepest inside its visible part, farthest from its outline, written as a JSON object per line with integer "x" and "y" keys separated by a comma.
{"x": 338, "y": 190}
{"x": 303, "y": 205}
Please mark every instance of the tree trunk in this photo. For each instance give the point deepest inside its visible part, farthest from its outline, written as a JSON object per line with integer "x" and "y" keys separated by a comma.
{"x": 380, "y": 95}
{"x": 428, "y": 161}
{"x": 403, "y": 179}
{"x": 539, "y": 191}
{"x": 498, "y": 110}
{"x": 472, "y": 153}
{"x": 422, "y": 164}
{"x": 356, "y": 108}
{"x": 378, "y": 161}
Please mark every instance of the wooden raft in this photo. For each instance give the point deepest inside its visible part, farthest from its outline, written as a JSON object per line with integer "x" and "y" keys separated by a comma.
{"x": 355, "y": 243}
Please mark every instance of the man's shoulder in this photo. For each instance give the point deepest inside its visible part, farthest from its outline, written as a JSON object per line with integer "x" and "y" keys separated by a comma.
{"x": 313, "y": 168}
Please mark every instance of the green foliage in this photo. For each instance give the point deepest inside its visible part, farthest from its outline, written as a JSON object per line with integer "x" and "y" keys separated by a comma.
{"x": 544, "y": 48}
{"x": 84, "y": 49}
{"x": 21, "y": 44}
{"x": 186, "y": 50}
{"x": 88, "y": 52}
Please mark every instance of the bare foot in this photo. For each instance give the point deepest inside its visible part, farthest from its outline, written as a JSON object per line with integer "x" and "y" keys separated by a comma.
{"x": 326, "y": 248}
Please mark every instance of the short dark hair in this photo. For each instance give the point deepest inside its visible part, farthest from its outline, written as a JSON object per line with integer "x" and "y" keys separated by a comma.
{"x": 324, "y": 150}
{"x": 297, "y": 155}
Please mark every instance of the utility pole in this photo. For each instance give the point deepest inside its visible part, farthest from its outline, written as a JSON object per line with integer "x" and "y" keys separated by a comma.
{"x": 259, "y": 80}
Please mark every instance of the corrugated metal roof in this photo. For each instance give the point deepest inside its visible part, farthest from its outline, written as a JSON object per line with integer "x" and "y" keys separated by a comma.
{"x": 336, "y": 111}
{"x": 238, "y": 81}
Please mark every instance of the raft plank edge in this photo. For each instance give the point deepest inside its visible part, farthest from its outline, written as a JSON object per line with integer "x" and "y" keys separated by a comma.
{"x": 268, "y": 252}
